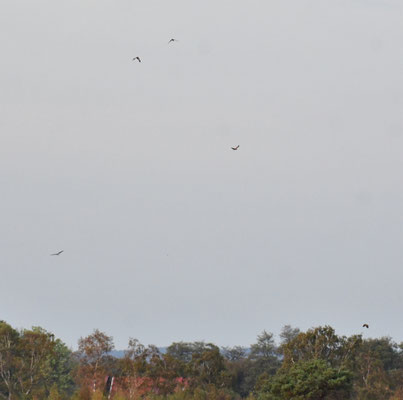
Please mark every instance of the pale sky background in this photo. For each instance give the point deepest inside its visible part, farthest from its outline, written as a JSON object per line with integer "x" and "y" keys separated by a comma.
{"x": 167, "y": 233}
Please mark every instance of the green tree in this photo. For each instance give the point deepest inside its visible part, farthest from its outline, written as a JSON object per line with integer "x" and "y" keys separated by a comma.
{"x": 288, "y": 333}
{"x": 60, "y": 367}
{"x": 378, "y": 369}
{"x": 184, "y": 351}
{"x": 263, "y": 359}
{"x": 208, "y": 368}
{"x": 322, "y": 343}
{"x": 35, "y": 348}
{"x": 30, "y": 363}
{"x": 235, "y": 353}
{"x": 314, "y": 380}
{"x": 9, "y": 339}
{"x": 238, "y": 366}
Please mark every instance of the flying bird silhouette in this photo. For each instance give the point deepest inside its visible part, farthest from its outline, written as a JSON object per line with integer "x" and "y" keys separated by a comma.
{"x": 235, "y": 148}
{"x": 136, "y": 58}
{"x": 172, "y": 40}
{"x": 58, "y": 253}
{"x": 365, "y": 326}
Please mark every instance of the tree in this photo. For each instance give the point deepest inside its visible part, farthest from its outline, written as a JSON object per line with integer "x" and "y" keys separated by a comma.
{"x": 208, "y": 368}
{"x": 238, "y": 365}
{"x": 133, "y": 365}
{"x": 321, "y": 343}
{"x": 288, "y": 333}
{"x": 146, "y": 369}
{"x": 31, "y": 362}
{"x": 378, "y": 369}
{"x": 263, "y": 359}
{"x": 9, "y": 338}
{"x": 264, "y": 349}
{"x": 184, "y": 351}
{"x": 235, "y": 353}
{"x": 60, "y": 367}
{"x": 161, "y": 371}
{"x": 36, "y": 348}
{"x": 314, "y": 379}
{"x": 93, "y": 351}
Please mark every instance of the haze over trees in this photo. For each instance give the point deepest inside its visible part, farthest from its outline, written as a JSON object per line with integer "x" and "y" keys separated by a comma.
{"x": 316, "y": 364}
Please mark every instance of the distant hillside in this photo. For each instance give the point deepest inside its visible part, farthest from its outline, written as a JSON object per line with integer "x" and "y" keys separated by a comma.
{"x": 121, "y": 353}
{"x": 163, "y": 350}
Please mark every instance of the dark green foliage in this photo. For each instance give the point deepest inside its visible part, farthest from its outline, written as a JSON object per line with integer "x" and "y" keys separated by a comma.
{"x": 184, "y": 351}
{"x": 207, "y": 367}
{"x": 31, "y": 363}
{"x": 263, "y": 359}
{"x": 61, "y": 365}
{"x": 314, "y": 379}
{"x": 238, "y": 366}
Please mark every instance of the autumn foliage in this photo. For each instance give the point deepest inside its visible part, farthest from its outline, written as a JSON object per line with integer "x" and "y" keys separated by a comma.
{"x": 316, "y": 364}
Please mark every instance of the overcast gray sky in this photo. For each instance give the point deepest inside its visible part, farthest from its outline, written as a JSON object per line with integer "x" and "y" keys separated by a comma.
{"x": 167, "y": 233}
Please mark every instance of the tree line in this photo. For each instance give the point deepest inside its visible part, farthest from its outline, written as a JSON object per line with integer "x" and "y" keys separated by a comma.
{"x": 316, "y": 364}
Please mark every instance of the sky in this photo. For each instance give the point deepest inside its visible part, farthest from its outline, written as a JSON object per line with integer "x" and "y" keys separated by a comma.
{"x": 167, "y": 233}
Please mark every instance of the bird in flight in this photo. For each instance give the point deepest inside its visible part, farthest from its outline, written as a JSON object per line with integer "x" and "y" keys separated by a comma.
{"x": 365, "y": 326}
{"x": 235, "y": 148}
{"x": 58, "y": 253}
{"x": 172, "y": 40}
{"x": 136, "y": 58}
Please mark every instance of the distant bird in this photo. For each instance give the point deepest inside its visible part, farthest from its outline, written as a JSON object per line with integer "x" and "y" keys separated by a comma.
{"x": 365, "y": 326}
{"x": 136, "y": 58}
{"x": 172, "y": 40}
{"x": 235, "y": 148}
{"x": 58, "y": 253}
